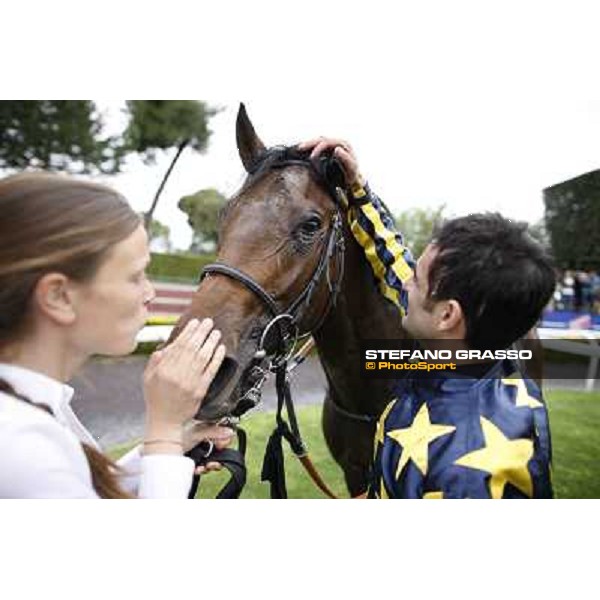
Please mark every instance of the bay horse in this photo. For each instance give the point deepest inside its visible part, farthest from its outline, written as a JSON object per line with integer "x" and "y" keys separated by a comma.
{"x": 282, "y": 246}
{"x": 277, "y": 232}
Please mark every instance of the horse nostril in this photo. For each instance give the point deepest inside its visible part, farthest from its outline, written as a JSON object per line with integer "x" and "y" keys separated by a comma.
{"x": 225, "y": 373}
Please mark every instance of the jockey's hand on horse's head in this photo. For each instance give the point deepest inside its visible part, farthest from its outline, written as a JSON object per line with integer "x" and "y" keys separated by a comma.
{"x": 342, "y": 150}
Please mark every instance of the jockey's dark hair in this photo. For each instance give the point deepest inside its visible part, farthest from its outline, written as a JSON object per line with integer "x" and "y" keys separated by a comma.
{"x": 501, "y": 277}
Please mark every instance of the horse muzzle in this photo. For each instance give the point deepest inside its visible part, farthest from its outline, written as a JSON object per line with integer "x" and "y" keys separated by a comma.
{"x": 217, "y": 402}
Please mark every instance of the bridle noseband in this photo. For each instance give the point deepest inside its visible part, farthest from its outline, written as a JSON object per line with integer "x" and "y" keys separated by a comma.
{"x": 290, "y": 318}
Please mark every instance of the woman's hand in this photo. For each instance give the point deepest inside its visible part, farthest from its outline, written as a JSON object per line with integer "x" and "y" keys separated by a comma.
{"x": 176, "y": 380}
{"x": 342, "y": 150}
{"x": 196, "y": 432}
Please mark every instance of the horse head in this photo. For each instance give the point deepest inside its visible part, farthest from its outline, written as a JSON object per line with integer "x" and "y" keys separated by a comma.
{"x": 278, "y": 265}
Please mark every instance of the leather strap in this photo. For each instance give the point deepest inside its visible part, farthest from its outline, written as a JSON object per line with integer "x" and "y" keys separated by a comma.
{"x": 233, "y": 460}
{"x": 238, "y": 275}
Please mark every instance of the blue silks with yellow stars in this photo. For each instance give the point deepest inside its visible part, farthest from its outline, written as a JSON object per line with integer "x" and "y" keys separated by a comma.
{"x": 463, "y": 437}
{"x": 449, "y": 436}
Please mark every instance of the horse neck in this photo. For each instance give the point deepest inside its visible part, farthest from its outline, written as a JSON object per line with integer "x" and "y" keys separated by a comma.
{"x": 360, "y": 313}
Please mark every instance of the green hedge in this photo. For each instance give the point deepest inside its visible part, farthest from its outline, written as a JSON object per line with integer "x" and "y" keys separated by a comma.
{"x": 178, "y": 267}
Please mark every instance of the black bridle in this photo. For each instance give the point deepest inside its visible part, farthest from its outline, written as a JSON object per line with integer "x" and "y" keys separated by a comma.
{"x": 287, "y": 321}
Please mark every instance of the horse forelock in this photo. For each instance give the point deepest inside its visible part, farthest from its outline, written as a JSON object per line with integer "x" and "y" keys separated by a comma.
{"x": 266, "y": 162}
{"x": 274, "y": 158}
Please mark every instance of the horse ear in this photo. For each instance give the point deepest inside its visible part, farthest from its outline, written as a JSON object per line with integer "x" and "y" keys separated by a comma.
{"x": 248, "y": 143}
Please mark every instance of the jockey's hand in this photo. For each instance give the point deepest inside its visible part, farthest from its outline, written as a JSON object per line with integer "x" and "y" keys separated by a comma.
{"x": 343, "y": 151}
{"x": 196, "y": 432}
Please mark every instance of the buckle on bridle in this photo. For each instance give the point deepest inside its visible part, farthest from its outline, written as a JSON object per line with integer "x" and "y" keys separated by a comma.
{"x": 287, "y": 338}
{"x": 205, "y": 448}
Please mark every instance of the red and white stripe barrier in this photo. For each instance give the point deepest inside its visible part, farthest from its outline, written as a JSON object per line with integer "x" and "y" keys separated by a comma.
{"x": 171, "y": 299}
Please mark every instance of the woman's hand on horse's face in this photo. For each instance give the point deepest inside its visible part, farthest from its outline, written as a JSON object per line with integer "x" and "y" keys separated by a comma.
{"x": 177, "y": 377}
{"x": 342, "y": 150}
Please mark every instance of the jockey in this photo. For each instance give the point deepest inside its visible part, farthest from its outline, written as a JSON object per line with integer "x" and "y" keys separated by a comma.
{"x": 481, "y": 431}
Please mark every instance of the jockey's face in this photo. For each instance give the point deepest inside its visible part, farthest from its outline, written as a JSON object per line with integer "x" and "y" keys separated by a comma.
{"x": 418, "y": 320}
{"x": 426, "y": 318}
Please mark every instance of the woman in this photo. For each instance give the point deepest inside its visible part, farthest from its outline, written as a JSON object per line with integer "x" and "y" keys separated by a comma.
{"x": 72, "y": 284}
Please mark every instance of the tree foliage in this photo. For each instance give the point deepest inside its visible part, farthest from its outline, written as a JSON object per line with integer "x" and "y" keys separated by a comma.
{"x": 67, "y": 135}
{"x": 539, "y": 232}
{"x": 417, "y": 225}
{"x": 163, "y": 124}
{"x": 63, "y": 135}
{"x": 159, "y": 232}
{"x": 573, "y": 221}
{"x": 202, "y": 209}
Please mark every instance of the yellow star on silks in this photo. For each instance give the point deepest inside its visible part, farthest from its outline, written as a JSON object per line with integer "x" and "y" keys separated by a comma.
{"x": 433, "y": 495}
{"x": 523, "y": 397}
{"x": 380, "y": 431}
{"x": 383, "y": 495}
{"x": 506, "y": 460}
{"x": 416, "y": 438}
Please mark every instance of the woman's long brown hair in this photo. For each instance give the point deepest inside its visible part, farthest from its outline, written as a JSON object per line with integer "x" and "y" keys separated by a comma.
{"x": 53, "y": 223}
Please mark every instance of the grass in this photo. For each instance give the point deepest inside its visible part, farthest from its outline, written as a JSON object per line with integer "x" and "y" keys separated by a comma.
{"x": 575, "y": 429}
{"x": 574, "y": 423}
{"x": 299, "y": 485}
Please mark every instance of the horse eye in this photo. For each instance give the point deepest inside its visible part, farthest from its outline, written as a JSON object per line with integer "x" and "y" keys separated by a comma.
{"x": 311, "y": 225}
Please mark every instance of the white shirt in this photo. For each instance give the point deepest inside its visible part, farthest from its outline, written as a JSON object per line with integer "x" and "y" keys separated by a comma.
{"x": 41, "y": 455}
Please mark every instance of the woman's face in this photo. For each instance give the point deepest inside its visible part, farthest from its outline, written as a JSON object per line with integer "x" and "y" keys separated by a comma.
{"x": 111, "y": 308}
